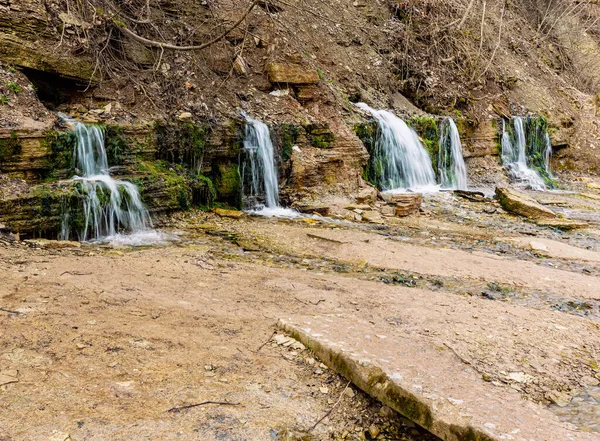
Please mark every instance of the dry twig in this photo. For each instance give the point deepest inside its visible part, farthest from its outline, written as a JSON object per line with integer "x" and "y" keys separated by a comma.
{"x": 330, "y": 410}
{"x": 204, "y": 403}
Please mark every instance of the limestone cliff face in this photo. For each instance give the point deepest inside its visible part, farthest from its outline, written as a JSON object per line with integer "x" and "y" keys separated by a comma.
{"x": 296, "y": 67}
{"x": 28, "y": 39}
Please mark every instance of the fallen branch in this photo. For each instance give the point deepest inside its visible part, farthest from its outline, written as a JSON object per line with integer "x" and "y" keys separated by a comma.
{"x": 466, "y": 14}
{"x": 75, "y": 273}
{"x": 330, "y": 410}
{"x": 327, "y": 239}
{"x": 189, "y": 406}
{"x": 265, "y": 343}
{"x": 162, "y": 45}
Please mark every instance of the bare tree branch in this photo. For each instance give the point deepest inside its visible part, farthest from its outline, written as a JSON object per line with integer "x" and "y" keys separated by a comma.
{"x": 466, "y": 13}
{"x": 163, "y": 45}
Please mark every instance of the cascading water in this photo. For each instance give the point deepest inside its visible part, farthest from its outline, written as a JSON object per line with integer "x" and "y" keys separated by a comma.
{"x": 109, "y": 205}
{"x": 450, "y": 163}
{"x": 400, "y": 160}
{"x": 259, "y": 174}
{"x": 526, "y": 152}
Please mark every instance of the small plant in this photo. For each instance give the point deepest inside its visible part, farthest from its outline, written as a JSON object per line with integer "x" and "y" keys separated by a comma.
{"x": 14, "y": 87}
{"x": 498, "y": 288}
{"x": 4, "y": 99}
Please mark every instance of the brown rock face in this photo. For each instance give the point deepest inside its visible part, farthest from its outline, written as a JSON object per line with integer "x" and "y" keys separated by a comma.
{"x": 27, "y": 40}
{"x": 521, "y": 204}
{"x": 308, "y": 93}
{"x": 483, "y": 141}
{"x": 291, "y": 74}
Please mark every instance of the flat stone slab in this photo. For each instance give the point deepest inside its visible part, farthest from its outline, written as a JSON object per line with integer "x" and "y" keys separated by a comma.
{"x": 554, "y": 248}
{"x": 519, "y": 203}
{"x": 432, "y": 386}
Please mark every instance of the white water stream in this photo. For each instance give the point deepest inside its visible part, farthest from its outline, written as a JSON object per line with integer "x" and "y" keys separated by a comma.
{"x": 451, "y": 164}
{"x": 400, "y": 158}
{"x": 110, "y": 206}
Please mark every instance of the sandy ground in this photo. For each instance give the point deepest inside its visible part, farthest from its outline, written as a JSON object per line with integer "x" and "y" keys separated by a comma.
{"x": 100, "y": 343}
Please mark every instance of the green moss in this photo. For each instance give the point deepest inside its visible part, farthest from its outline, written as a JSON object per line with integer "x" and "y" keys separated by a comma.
{"x": 290, "y": 134}
{"x": 182, "y": 143}
{"x": 115, "y": 143}
{"x": 228, "y": 183}
{"x": 428, "y": 131}
{"x": 536, "y": 129}
{"x": 53, "y": 206}
{"x": 181, "y": 188}
{"x": 9, "y": 146}
{"x": 368, "y": 134}
{"x": 62, "y": 147}
{"x": 320, "y": 136}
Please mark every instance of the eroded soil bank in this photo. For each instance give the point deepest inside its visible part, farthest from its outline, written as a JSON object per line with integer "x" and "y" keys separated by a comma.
{"x": 98, "y": 342}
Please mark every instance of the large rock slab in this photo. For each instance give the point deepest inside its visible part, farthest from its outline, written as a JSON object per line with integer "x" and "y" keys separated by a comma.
{"x": 562, "y": 223}
{"x": 556, "y": 249}
{"x": 433, "y": 386}
{"x": 521, "y": 204}
{"x": 291, "y": 74}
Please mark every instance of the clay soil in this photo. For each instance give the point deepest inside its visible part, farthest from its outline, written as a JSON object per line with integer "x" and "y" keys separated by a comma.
{"x": 101, "y": 342}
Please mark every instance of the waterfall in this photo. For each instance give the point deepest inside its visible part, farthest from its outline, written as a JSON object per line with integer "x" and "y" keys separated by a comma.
{"x": 400, "y": 160}
{"x": 109, "y": 205}
{"x": 259, "y": 173}
{"x": 450, "y": 163}
{"x": 526, "y": 152}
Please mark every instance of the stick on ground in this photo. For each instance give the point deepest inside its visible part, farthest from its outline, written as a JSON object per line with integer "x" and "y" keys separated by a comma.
{"x": 189, "y": 406}
{"x": 264, "y": 344}
{"x": 330, "y": 410}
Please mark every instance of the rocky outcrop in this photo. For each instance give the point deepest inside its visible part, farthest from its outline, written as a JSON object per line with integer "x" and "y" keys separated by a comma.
{"x": 28, "y": 40}
{"x": 292, "y": 74}
{"x": 25, "y": 154}
{"x": 482, "y": 141}
{"x": 521, "y": 204}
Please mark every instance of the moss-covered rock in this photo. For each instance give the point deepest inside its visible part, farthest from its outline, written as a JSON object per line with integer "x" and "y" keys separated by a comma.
{"x": 62, "y": 147}
{"x": 228, "y": 183}
{"x": 9, "y": 147}
{"x": 289, "y": 137}
{"x": 118, "y": 150}
{"x": 428, "y": 130}
{"x": 536, "y": 129}
{"x": 320, "y": 136}
{"x": 368, "y": 133}
{"x": 166, "y": 187}
{"x": 182, "y": 143}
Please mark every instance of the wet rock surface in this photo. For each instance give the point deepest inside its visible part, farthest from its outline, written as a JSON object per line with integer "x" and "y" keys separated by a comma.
{"x": 521, "y": 204}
